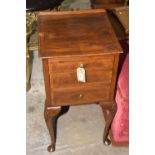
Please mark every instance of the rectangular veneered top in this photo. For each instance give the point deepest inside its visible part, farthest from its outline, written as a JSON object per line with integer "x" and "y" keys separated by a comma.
{"x": 76, "y": 33}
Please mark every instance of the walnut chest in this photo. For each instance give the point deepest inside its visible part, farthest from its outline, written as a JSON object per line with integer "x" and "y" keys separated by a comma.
{"x": 80, "y": 54}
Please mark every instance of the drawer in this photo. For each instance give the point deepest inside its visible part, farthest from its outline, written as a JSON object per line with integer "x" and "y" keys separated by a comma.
{"x": 69, "y": 79}
{"x": 80, "y": 95}
{"x": 89, "y": 63}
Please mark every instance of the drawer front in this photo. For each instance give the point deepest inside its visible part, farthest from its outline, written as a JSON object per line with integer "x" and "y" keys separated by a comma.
{"x": 79, "y": 95}
{"x": 65, "y": 88}
{"x": 89, "y": 63}
{"x": 69, "y": 79}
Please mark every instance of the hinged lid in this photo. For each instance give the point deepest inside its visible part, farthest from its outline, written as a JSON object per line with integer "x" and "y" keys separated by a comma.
{"x": 74, "y": 33}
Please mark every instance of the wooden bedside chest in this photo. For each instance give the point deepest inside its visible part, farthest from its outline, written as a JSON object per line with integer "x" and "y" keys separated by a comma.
{"x": 80, "y": 54}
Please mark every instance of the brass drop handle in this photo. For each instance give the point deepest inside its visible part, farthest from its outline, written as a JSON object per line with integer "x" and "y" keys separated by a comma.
{"x": 81, "y": 95}
{"x": 81, "y": 66}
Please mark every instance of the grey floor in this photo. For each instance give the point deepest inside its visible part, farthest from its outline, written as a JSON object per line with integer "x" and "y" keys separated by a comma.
{"x": 79, "y": 131}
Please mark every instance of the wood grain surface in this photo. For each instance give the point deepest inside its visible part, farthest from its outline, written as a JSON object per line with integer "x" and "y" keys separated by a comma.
{"x": 76, "y": 33}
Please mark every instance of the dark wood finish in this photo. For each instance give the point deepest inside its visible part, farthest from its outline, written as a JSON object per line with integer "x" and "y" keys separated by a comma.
{"x": 69, "y": 65}
{"x": 108, "y": 4}
{"x": 80, "y": 95}
{"x": 111, "y": 108}
{"x": 117, "y": 11}
{"x": 68, "y": 39}
{"x": 106, "y": 116}
{"x": 47, "y": 81}
{"x": 113, "y": 81}
{"x": 37, "y": 5}
{"x": 69, "y": 80}
{"x": 76, "y": 34}
{"x": 51, "y": 115}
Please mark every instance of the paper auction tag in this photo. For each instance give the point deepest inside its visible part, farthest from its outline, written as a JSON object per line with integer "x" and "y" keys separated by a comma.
{"x": 81, "y": 74}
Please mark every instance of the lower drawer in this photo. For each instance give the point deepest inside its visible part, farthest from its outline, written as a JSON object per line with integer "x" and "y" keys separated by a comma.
{"x": 81, "y": 95}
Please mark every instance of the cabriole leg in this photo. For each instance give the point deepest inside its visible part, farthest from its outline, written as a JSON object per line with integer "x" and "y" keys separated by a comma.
{"x": 51, "y": 115}
{"x": 112, "y": 111}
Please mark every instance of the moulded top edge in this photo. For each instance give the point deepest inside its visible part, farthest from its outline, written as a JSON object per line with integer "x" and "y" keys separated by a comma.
{"x": 41, "y": 13}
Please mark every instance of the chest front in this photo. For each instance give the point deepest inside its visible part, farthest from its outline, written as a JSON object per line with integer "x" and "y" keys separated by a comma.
{"x": 82, "y": 80}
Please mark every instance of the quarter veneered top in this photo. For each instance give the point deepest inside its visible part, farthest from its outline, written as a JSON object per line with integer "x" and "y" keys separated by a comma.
{"x": 77, "y": 33}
